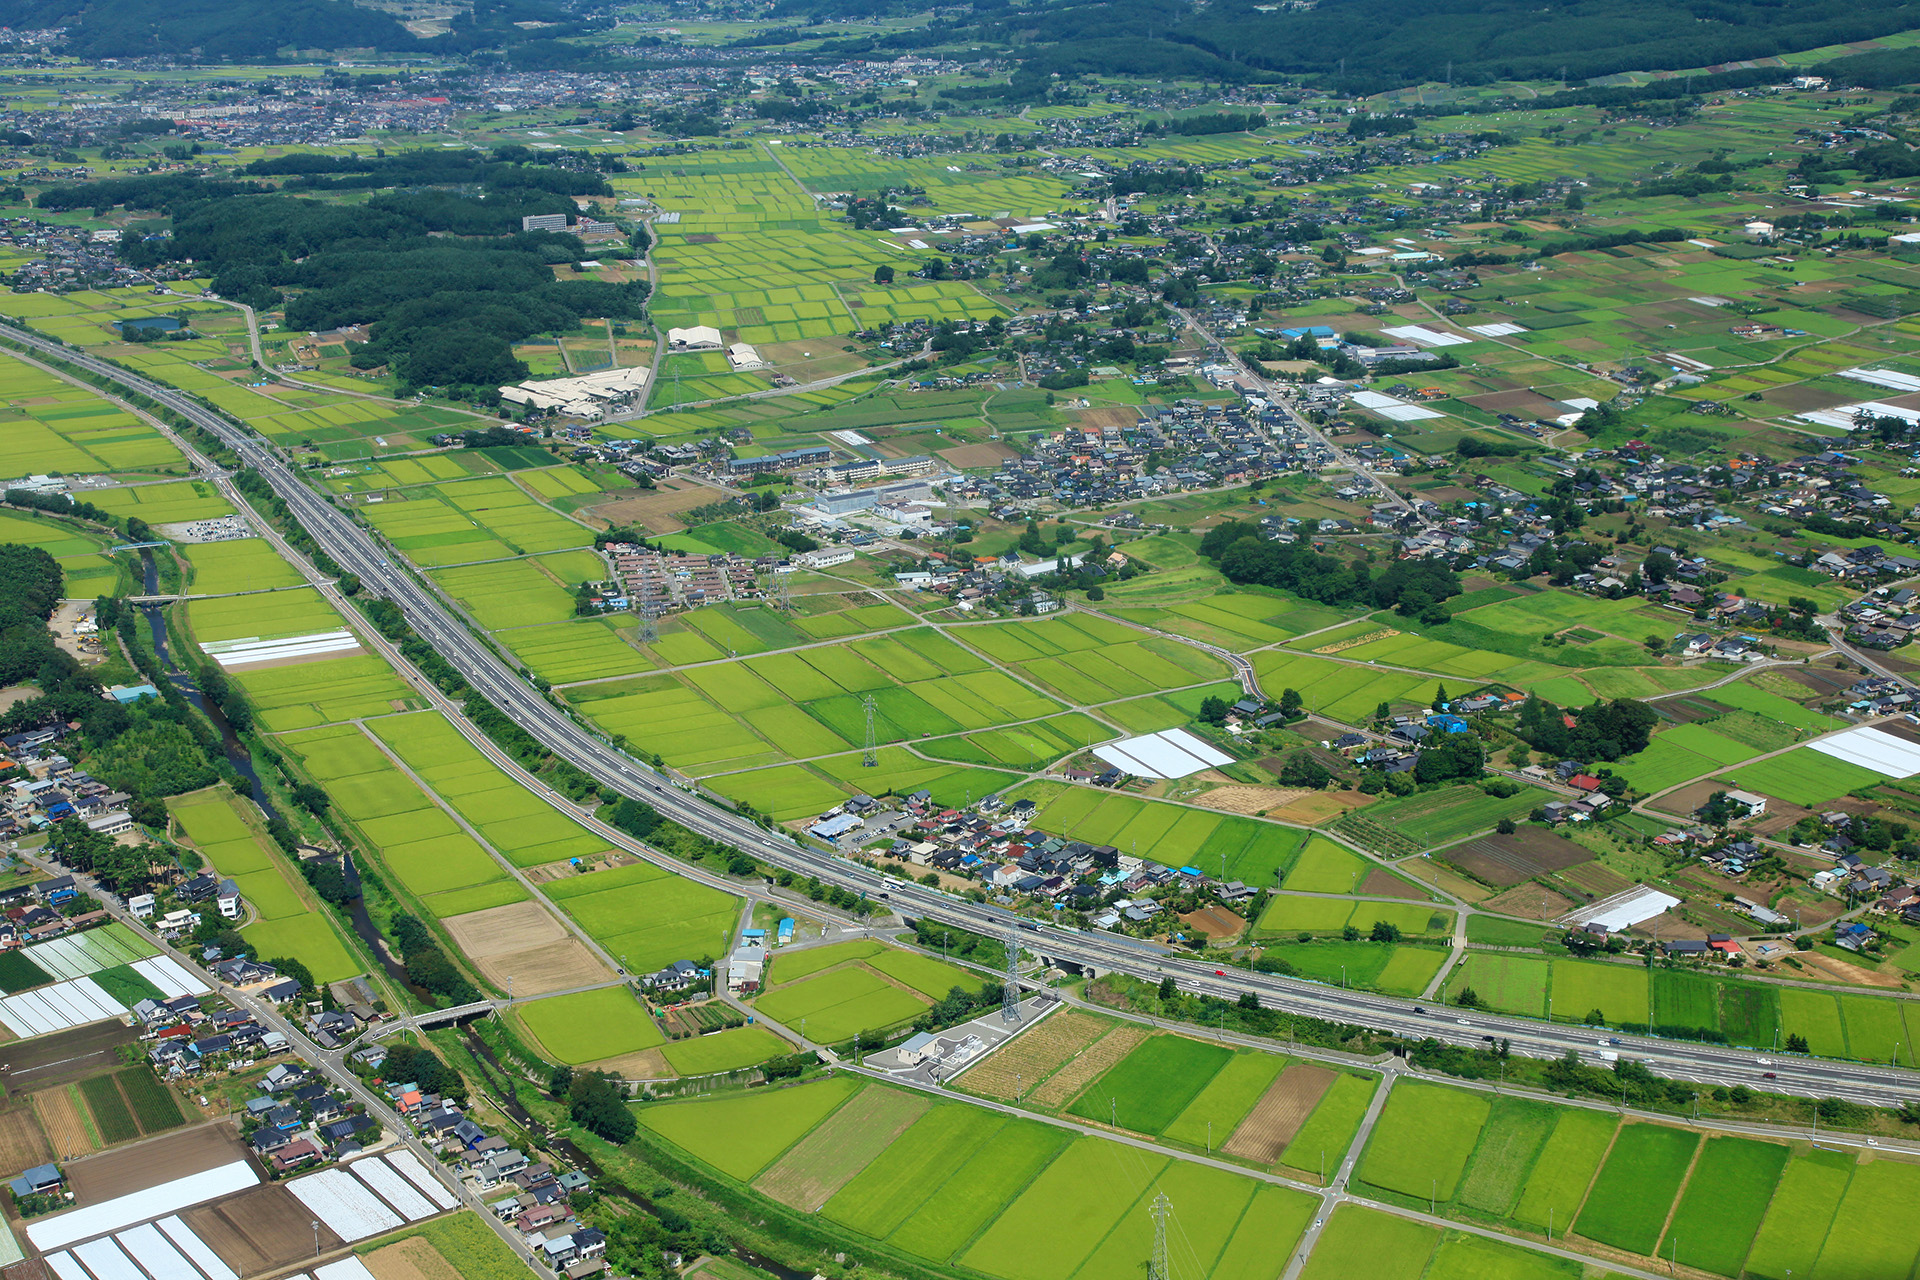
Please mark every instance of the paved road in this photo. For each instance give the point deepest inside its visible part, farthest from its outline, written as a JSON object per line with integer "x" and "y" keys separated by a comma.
{"x": 356, "y": 551}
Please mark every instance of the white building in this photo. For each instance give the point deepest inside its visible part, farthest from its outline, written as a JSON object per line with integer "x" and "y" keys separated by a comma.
{"x": 741, "y": 355}
{"x": 824, "y": 558}
{"x": 698, "y": 337}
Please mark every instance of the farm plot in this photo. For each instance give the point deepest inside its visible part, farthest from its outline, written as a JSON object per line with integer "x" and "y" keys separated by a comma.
{"x": 1516, "y": 1130}
{"x": 1329, "y": 1130}
{"x": 1629, "y": 1201}
{"x": 1150, "y": 1087}
{"x": 1506, "y": 860}
{"x": 1052, "y": 1227}
{"x": 244, "y": 564}
{"x": 1217, "y": 1110}
{"x": 839, "y": 1004}
{"x": 1019, "y": 1065}
{"x": 1804, "y": 1207}
{"x": 955, "y": 1210}
{"x": 1726, "y": 1198}
{"x": 506, "y": 593}
{"x": 1616, "y": 991}
{"x": 523, "y": 941}
{"x": 878, "y": 1199}
{"x": 649, "y": 916}
{"x": 589, "y": 1026}
{"x": 1804, "y": 777}
{"x": 1280, "y": 1113}
{"x": 815, "y": 1168}
{"x": 1423, "y": 1140}
{"x": 1565, "y": 1168}
{"x": 1514, "y": 984}
{"x": 1876, "y": 1194}
{"x": 728, "y": 1050}
{"x": 1254, "y": 850}
{"x": 1443, "y": 816}
{"x": 468, "y": 520}
{"x": 1366, "y": 1242}
{"x": 742, "y": 1133}
{"x": 302, "y": 695}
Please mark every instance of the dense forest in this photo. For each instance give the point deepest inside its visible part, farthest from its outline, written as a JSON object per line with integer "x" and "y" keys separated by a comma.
{"x": 1366, "y": 45}
{"x": 215, "y": 30}
{"x": 446, "y": 282}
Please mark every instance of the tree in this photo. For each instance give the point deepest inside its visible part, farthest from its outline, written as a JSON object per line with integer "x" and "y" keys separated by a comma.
{"x": 1168, "y": 989}
{"x": 1505, "y": 827}
{"x": 597, "y": 1104}
{"x": 1385, "y": 931}
{"x": 883, "y": 274}
{"x": 1468, "y": 998}
{"x": 1301, "y": 769}
{"x": 1290, "y": 702}
{"x": 1213, "y": 710}
{"x": 1797, "y": 1044}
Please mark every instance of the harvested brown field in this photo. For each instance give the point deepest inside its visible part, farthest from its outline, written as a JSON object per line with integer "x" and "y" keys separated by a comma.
{"x": 978, "y": 455}
{"x": 1061, "y": 1087}
{"x": 524, "y": 941}
{"x": 1236, "y": 798}
{"x": 1834, "y": 967}
{"x": 139, "y": 1165}
{"x": 1504, "y": 860}
{"x": 1598, "y": 880}
{"x": 1215, "y": 922}
{"x": 1384, "y": 884}
{"x": 1690, "y": 709}
{"x": 660, "y": 509}
{"x": 1108, "y": 416}
{"x": 826, "y": 1159}
{"x": 63, "y": 1122}
{"x": 413, "y": 1259}
{"x": 64, "y": 1056}
{"x": 648, "y": 1064}
{"x": 1354, "y": 642}
{"x": 22, "y": 1145}
{"x": 1318, "y": 807}
{"x": 1821, "y": 682}
{"x": 262, "y": 1229}
{"x": 1282, "y": 1109}
{"x": 1444, "y": 878}
{"x": 1532, "y": 902}
{"x": 1684, "y": 801}
{"x": 1018, "y": 1066}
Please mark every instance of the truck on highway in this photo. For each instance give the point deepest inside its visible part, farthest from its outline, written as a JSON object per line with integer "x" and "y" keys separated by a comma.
{"x": 1606, "y": 1055}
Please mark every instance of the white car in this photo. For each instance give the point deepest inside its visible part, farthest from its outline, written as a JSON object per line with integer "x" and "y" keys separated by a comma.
{"x": 1765, "y": 1062}
{"x": 1463, "y": 1022}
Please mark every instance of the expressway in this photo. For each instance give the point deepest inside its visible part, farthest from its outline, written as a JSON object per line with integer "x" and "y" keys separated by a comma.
{"x": 356, "y": 551}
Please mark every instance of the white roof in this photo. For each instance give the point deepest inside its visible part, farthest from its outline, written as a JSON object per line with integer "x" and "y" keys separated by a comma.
{"x": 1420, "y": 335}
{"x": 694, "y": 336}
{"x": 1623, "y": 910}
{"x": 1873, "y": 749}
{"x": 141, "y": 1206}
{"x": 1885, "y": 377}
{"x": 1171, "y": 753}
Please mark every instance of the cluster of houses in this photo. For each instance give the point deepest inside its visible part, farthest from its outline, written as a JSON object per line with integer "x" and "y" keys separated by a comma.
{"x": 995, "y": 845}
{"x": 666, "y": 581}
{"x": 204, "y": 1036}
{"x": 191, "y": 893}
{"x": 32, "y": 912}
{"x": 55, "y": 788}
{"x": 532, "y": 1195}
{"x": 298, "y": 1121}
{"x": 1200, "y": 446}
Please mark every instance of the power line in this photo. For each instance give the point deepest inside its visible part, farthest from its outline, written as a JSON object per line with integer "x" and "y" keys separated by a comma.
{"x": 1010, "y": 985}
{"x": 870, "y": 754}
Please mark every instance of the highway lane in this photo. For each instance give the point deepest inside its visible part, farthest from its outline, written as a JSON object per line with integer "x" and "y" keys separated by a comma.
{"x": 356, "y": 551}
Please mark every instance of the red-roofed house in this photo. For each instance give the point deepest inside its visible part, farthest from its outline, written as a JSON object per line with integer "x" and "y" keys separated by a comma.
{"x": 1584, "y": 782}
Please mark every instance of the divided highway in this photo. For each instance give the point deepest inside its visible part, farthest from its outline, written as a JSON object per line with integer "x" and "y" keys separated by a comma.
{"x": 356, "y": 551}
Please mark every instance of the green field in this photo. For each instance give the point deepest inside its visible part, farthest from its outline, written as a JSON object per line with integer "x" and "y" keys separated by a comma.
{"x": 1726, "y": 1198}
{"x": 1146, "y": 1090}
{"x": 1510, "y": 1144}
{"x": 1323, "y": 1139}
{"x": 1423, "y": 1139}
{"x": 742, "y": 1133}
{"x": 1564, "y": 1169}
{"x": 1227, "y": 1098}
{"x": 1636, "y": 1186}
{"x": 727, "y": 1050}
{"x": 1366, "y": 1242}
{"x": 1803, "y": 1210}
{"x": 837, "y": 1005}
{"x": 590, "y": 1025}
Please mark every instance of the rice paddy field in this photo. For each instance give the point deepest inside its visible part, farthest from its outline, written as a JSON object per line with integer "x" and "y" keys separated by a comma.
{"x": 243, "y": 564}
{"x": 1255, "y": 851}
{"x": 646, "y": 916}
{"x": 417, "y": 841}
{"x": 1003, "y": 1196}
{"x": 284, "y": 920}
{"x": 833, "y": 993}
{"x": 455, "y": 522}
{"x": 53, "y": 426}
{"x": 304, "y": 695}
{"x": 589, "y": 1026}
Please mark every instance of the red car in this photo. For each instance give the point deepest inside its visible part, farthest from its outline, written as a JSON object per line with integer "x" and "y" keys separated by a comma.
{"x": 1219, "y": 973}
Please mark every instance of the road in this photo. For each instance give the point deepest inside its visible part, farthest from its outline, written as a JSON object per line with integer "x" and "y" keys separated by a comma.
{"x": 354, "y": 549}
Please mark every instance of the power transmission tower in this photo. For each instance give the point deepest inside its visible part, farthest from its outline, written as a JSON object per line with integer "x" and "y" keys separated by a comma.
{"x": 1010, "y": 986}
{"x": 870, "y": 754}
{"x": 782, "y": 599}
{"x": 1157, "y": 1265}
{"x": 649, "y": 614}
